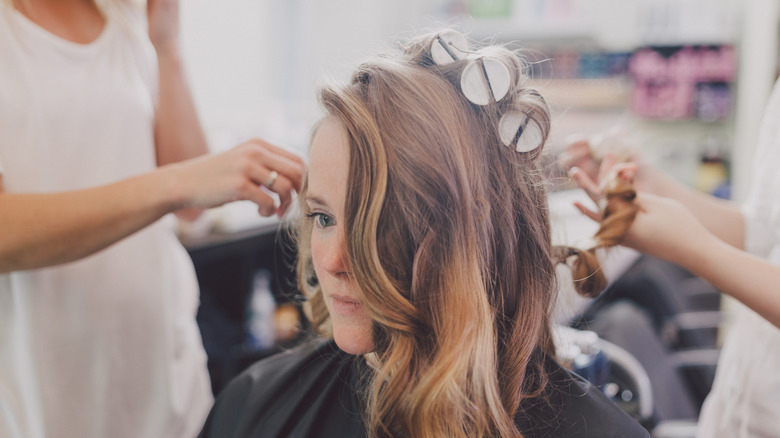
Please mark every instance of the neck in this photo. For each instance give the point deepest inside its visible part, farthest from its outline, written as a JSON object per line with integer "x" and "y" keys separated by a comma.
{"x": 78, "y": 21}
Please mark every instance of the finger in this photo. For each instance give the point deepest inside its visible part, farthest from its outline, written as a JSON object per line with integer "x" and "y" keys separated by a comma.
{"x": 594, "y": 215}
{"x": 572, "y": 155}
{"x": 284, "y": 162}
{"x": 578, "y": 145}
{"x": 626, "y": 171}
{"x": 586, "y": 183}
{"x": 278, "y": 150}
{"x": 284, "y": 188}
{"x": 281, "y": 152}
{"x": 261, "y": 172}
{"x": 265, "y": 203}
{"x": 606, "y": 169}
{"x": 283, "y": 207}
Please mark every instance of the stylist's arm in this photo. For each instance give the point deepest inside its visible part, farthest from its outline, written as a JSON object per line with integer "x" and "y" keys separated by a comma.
{"x": 667, "y": 229}
{"x": 45, "y": 229}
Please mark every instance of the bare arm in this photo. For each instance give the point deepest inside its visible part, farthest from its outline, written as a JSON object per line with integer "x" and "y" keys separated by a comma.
{"x": 666, "y": 229}
{"x": 720, "y": 217}
{"x": 748, "y": 278}
{"x": 178, "y": 133}
{"x": 47, "y": 229}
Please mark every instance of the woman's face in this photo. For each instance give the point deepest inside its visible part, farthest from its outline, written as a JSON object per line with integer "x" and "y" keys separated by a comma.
{"x": 328, "y": 168}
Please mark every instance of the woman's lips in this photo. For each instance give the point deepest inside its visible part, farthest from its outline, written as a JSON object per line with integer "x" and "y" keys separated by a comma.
{"x": 345, "y": 305}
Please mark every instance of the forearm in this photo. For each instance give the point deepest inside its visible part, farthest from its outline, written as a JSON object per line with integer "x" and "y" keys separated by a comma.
{"x": 722, "y": 218}
{"x": 48, "y": 229}
{"x": 178, "y": 132}
{"x": 667, "y": 229}
{"x": 750, "y": 279}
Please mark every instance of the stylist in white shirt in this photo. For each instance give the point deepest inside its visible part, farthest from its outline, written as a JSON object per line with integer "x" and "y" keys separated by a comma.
{"x": 707, "y": 236}
{"x": 98, "y": 139}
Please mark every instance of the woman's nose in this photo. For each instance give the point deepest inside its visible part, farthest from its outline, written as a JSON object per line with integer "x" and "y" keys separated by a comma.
{"x": 336, "y": 260}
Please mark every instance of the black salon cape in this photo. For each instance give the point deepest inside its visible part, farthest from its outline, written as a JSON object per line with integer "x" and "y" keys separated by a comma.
{"x": 310, "y": 392}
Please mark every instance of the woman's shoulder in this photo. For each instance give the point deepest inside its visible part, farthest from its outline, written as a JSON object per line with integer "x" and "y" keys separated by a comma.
{"x": 293, "y": 393}
{"x": 572, "y": 407}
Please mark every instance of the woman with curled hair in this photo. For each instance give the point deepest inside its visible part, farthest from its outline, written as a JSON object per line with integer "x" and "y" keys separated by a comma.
{"x": 425, "y": 253}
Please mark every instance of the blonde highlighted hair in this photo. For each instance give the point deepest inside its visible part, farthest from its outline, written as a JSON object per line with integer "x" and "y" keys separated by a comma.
{"x": 448, "y": 240}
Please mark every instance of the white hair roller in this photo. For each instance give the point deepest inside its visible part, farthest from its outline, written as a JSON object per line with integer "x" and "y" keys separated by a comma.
{"x": 485, "y": 80}
{"x": 449, "y": 46}
{"x": 518, "y": 129}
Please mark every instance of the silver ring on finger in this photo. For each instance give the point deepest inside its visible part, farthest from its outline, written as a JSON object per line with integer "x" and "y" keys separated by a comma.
{"x": 271, "y": 179}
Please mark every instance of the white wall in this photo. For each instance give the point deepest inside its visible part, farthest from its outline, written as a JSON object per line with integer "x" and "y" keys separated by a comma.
{"x": 757, "y": 70}
{"x": 226, "y": 45}
{"x": 255, "y": 65}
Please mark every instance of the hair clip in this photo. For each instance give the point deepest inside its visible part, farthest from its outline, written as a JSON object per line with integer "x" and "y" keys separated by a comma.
{"x": 518, "y": 129}
{"x": 483, "y": 80}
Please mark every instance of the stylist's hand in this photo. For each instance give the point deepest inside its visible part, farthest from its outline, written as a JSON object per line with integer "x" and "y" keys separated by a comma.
{"x": 665, "y": 228}
{"x": 163, "y": 18}
{"x": 244, "y": 172}
{"x": 589, "y": 168}
{"x": 579, "y": 155}
{"x": 596, "y": 189}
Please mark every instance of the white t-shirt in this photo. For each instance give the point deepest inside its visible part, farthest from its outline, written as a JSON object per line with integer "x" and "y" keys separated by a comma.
{"x": 745, "y": 397}
{"x": 106, "y": 346}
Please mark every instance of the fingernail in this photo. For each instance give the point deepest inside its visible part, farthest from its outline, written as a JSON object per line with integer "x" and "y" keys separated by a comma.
{"x": 573, "y": 170}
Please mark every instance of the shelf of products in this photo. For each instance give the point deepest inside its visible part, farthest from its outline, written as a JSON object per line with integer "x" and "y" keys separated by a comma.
{"x": 584, "y": 94}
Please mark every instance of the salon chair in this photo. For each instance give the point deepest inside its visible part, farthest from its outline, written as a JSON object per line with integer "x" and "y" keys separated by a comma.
{"x": 621, "y": 376}
{"x": 661, "y": 314}
{"x": 669, "y": 319}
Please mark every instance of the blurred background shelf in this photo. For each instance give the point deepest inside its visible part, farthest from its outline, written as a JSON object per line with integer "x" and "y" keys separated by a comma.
{"x": 585, "y": 94}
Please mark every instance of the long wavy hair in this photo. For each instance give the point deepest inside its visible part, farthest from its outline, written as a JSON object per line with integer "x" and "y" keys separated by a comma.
{"x": 448, "y": 240}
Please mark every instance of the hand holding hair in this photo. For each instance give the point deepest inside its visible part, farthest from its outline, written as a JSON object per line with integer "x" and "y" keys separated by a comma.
{"x": 588, "y": 152}
{"x": 667, "y": 229}
{"x": 617, "y": 211}
{"x": 244, "y": 172}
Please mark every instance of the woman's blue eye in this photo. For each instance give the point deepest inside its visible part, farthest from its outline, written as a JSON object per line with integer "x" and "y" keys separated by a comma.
{"x": 322, "y": 220}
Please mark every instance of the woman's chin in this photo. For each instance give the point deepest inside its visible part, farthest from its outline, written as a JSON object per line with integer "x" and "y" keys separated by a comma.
{"x": 353, "y": 341}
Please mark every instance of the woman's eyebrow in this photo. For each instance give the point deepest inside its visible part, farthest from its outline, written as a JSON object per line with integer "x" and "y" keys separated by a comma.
{"x": 315, "y": 199}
